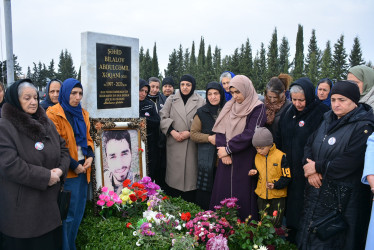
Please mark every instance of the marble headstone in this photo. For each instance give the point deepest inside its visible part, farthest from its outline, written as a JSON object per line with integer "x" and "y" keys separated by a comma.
{"x": 110, "y": 75}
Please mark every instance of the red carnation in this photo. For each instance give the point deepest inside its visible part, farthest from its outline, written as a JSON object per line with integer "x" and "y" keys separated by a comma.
{"x": 126, "y": 183}
{"x": 128, "y": 225}
{"x": 133, "y": 197}
{"x": 275, "y": 213}
{"x": 186, "y": 216}
{"x": 165, "y": 198}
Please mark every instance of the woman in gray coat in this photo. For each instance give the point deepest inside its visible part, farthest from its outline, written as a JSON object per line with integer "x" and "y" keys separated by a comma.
{"x": 176, "y": 118}
{"x": 33, "y": 162}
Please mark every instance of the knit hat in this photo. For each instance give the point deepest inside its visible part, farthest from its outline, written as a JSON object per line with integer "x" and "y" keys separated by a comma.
{"x": 168, "y": 81}
{"x": 262, "y": 137}
{"x": 348, "y": 89}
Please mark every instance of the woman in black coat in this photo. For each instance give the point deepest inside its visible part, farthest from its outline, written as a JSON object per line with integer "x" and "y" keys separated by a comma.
{"x": 33, "y": 162}
{"x": 334, "y": 162}
{"x": 202, "y": 134}
{"x": 296, "y": 124}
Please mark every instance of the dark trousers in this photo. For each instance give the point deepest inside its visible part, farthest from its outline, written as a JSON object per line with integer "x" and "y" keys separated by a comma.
{"x": 189, "y": 196}
{"x": 276, "y": 204}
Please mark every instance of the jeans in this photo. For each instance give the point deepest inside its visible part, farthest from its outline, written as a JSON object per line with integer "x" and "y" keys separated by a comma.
{"x": 70, "y": 226}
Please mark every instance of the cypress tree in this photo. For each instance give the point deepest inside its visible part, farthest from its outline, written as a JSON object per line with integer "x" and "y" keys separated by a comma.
{"x": 312, "y": 61}
{"x": 172, "y": 68}
{"x": 355, "y": 58}
{"x": 51, "y": 70}
{"x": 299, "y": 54}
{"x": 217, "y": 61}
{"x": 284, "y": 54}
{"x": 234, "y": 63}
{"x": 193, "y": 63}
{"x": 147, "y": 66}
{"x": 155, "y": 70}
{"x": 272, "y": 57}
{"x": 79, "y": 74}
{"x": 226, "y": 61}
{"x": 200, "y": 60}
{"x": 256, "y": 73}
{"x": 209, "y": 75}
{"x": 262, "y": 69}
{"x": 180, "y": 62}
{"x": 339, "y": 62}
{"x": 65, "y": 66}
{"x": 187, "y": 60}
{"x": 28, "y": 74}
{"x": 141, "y": 63}
{"x": 246, "y": 63}
{"x": 326, "y": 63}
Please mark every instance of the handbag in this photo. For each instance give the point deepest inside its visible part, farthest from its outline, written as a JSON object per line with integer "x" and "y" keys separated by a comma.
{"x": 63, "y": 201}
{"x": 330, "y": 224}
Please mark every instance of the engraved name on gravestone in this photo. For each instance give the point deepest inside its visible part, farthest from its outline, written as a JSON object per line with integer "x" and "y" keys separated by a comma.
{"x": 113, "y": 76}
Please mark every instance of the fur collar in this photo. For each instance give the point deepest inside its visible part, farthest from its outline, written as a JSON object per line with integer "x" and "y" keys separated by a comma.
{"x": 36, "y": 129}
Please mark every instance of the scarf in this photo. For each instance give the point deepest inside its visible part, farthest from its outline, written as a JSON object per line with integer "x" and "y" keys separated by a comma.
{"x": 232, "y": 119}
{"x": 327, "y": 101}
{"x": 272, "y": 109}
{"x": 366, "y": 75}
{"x": 11, "y": 95}
{"x": 47, "y": 102}
{"x": 192, "y": 80}
{"x": 213, "y": 109}
{"x": 79, "y": 125}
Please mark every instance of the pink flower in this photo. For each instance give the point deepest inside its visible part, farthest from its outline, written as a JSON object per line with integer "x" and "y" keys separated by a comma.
{"x": 109, "y": 203}
{"x": 211, "y": 235}
{"x": 275, "y": 213}
{"x": 104, "y": 189}
{"x": 146, "y": 179}
{"x": 100, "y": 202}
{"x": 102, "y": 196}
{"x": 107, "y": 198}
{"x": 111, "y": 193}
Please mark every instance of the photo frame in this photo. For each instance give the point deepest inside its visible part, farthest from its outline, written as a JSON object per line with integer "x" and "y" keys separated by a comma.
{"x": 120, "y": 152}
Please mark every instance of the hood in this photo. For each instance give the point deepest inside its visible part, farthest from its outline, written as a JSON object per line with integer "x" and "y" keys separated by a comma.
{"x": 306, "y": 84}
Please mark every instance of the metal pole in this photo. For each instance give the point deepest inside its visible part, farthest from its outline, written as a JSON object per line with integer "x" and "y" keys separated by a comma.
{"x": 9, "y": 42}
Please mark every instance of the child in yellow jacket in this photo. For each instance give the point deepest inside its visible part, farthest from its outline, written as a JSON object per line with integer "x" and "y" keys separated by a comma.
{"x": 273, "y": 175}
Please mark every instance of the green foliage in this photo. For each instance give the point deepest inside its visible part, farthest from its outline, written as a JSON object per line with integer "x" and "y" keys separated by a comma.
{"x": 65, "y": 66}
{"x": 155, "y": 71}
{"x": 284, "y": 54}
{"x": 312, "y": 61}
{"x": 17, "y": 70}
{"x": 246, "y": 62}
{"x": 339, "y": 62}
{"x": 326, "y": 62}
{"x": 355, "y": 58}
{"x": 272, "y": 57}
{"x": 299, "y": 54}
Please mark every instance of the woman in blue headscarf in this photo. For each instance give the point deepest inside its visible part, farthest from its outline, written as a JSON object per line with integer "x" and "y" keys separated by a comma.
{"x": 72, "y": 123}
{"x": 323, "y": 91}
{"x": 225, "y": 79}
{"x": 52, "y": 93}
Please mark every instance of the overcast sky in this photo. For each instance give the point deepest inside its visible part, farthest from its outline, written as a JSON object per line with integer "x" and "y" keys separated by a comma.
{"x": 42, "y": 28}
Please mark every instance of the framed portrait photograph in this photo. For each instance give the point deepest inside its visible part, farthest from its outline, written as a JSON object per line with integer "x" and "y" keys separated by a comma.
{"x": 120, "y": 152}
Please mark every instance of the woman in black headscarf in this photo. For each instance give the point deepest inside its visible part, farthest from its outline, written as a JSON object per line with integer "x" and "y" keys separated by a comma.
{"x": 176, "y": 118}
{"x": 33, "y": 161}
{"x": 52, "y": 93}
{"x": 202, "y": 134}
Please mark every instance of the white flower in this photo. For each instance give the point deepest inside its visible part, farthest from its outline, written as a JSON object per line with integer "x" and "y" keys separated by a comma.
{"x": 201, "y": 234}
{"x": 263, "y": 248}
{"x": 255, "y": 246}
{"x": 179, "y": 227}
{"x": 202, "y": 229}
{"x": 135, "y": 233}
{"x": 184, "y": 225}
{"x": 138, "y": 243}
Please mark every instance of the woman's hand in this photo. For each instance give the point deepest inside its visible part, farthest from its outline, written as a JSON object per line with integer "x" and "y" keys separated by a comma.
{"x": 309, "y": 168}
{"x": 221, "y": 152}
{"x": 315, "y": 180}
{"x": 185, "y": 135}
{"x": 57, "y": 171}
{"x": 212, "y": 139}
{"x": 88, "y": 162}
{"x": 80, "y": 169}
{"x": 176, "y": 135}
{"x": 53, "y": 179}
{"x": 226, "y": 160}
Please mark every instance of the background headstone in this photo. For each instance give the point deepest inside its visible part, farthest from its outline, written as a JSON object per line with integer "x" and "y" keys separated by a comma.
{"x": 110, "y": 75}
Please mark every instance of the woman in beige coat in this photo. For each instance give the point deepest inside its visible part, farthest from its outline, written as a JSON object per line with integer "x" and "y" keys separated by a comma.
{"x": 176, "y": 118}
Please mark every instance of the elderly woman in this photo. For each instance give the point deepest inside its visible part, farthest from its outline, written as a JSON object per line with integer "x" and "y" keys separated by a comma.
{"x": 72, "y": 123}
{"x": 275, "y": 103}
{"x": 202, "y": 134}
{"x": 33, "y": 162}
{"x": 334, "y": 161}
{"x": 364, "y": 77}
{"x": 296, "y": 124}
{"x": 323, "y": 91}
{"x": 53, "y": 91}
{"x": 225, "y": 79}
{"x": 176, "y": 119}
{"x": 2, "y": 93}
{"x": 368, "y": 178}
{"x": 234, "y": 130}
